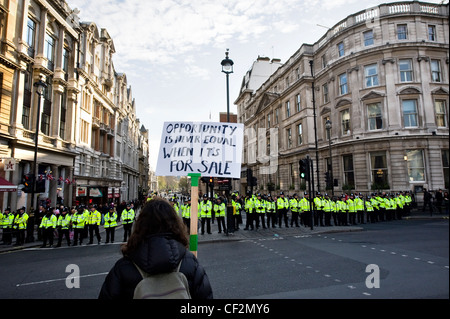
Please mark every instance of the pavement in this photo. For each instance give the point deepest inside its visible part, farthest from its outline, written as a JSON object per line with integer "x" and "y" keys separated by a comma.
{"x": 241, "y": 234}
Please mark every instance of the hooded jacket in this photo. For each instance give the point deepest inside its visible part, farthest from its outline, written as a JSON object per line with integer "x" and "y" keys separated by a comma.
{"x": 157, "y": 254}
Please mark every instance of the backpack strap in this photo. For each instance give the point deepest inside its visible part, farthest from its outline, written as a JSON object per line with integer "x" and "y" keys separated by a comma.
{"x": 145, "y": 275}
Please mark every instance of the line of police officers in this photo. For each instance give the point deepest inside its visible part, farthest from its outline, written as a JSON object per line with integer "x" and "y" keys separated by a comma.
{"x": 268, "y": 211}
{"x": 81, "y": 221}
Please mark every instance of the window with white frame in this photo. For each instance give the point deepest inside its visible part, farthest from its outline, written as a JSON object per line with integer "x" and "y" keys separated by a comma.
{"x": 416, "y": 166}
{"x": 289, "y": 137}
{"x": 402, "y": 32}
{"x": 410, "y": 118}
{"x": 374, "y": 116}
{"x": 406, "y": 70}
{"x": 371, "y": 75}
{"x": 299, "y": 134}
{"x": 325, "y": 94}
{"x": 343, "y": 85}
{"x": 436, "y": 71}
{"x": 345, "y": 122}
{"x": 432, "y": 33}
{"x": 441, "y": 113}
{"x": 368, "y": 38}
{"x": 299, "y": 102}
{"x": 288, "y": 109}
{"x": 341, "y": 49}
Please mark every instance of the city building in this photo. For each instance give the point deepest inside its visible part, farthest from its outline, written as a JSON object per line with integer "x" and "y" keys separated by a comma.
{"x": 89, "y": 139}
{"x": 372, "y": 92}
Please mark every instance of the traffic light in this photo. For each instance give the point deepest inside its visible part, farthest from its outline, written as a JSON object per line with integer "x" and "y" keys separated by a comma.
{"x": 304, "y": 169}
{"x": 254, "y": 182}
{"x": 40, "y": 186}
{"x": 27, "y": 181}
{"x": 328, "y": 180}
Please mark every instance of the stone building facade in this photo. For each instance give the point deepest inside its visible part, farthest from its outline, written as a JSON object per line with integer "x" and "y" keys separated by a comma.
{"x": 380, "y": 79}
{"x": 85, "y": 152}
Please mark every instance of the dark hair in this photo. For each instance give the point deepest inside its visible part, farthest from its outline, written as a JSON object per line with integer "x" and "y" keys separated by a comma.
{"x": 156, "y": 217}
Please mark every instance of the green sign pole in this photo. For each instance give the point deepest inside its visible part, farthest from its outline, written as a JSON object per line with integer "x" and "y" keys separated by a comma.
{"x": 193, "y": 244}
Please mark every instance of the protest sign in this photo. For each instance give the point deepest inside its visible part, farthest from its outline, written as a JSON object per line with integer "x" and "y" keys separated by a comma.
{"x": 209, "y": 149}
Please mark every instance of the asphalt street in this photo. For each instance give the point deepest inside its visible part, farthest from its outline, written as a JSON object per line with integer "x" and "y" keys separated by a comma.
{"x": 412, "y": 258}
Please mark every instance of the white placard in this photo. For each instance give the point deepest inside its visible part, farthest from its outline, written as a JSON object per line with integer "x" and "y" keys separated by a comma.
{"x": 210, "y": 149}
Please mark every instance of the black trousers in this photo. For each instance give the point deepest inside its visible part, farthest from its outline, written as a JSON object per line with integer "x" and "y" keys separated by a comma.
{"x": 65, "y": 233}
{"x": 47, "y": 235}
{"x": 110, "y": 232}
{"x": 92, "y": 229}
{"x": 127, "y": 231}
{"x": 78, "y": 235}
{"x": 208, "y": 225}
{"x": 249, "y": 222}
{"x": 282, "y": 214}
{"x": 294, "y": 219}
{"x": 221, "y": 222}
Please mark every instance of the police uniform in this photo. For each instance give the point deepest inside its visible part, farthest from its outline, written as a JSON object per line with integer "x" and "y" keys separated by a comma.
{"x": 110, "y": 224}
{"x": 294, "y": 206}
{"x": 127, "y": 217}
{"x": 48, "y": 225}
{"x": 20, "y": 226}
{"x": 282, "y": 208}
{"x": 93, "y": 223}
{"x": 63, "y": 225}
{"x": 219, "y": 210}
{"x": 205, "y": 208}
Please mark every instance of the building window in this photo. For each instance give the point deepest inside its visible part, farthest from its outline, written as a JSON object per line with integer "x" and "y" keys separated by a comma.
{"x": 410, "y": 113}
{"x": 288, "y": 109}
{"x": 268, "y": 146}
{"x": 345, "y": 122}
{"x": 299, "y": 134}
{"x": 441, "y": 110}
{"x": 324, "y": 61}
{"x": 343, "y": 88}
{"x": 269, "y": 118}
{"x": 289, "y": 137}
{"x": 402, "y": 32}
{"x": 31, "y": 36}
{"x": 379, "y": 170}
{"x": 406, "y": 70}
{"x": 49, "y": 51}
{"x": 341, "y": 50}
{"x": 436, "y": 71}
{"x": 349, "y": 175}
{"x": 375, "y": 117}
{"x": 326, "y": 97}
{"x": 432, "y": 33}
{"x": 416, "y": 166}
{"x": 277, "y": 116}
{"x": 445, "y": 166}
{"x": 84, "y": 132}
{"x": 368, "y": 38}
{"x": 62, "y": 124}
{"x": 371, "y": 73}
{"x": 297, "y": 71}
{"x": 299, "y": 102}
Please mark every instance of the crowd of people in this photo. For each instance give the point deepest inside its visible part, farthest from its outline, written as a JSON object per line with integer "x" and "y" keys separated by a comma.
{"x": 72, "y": 225}
{"x": 267, "y": 211}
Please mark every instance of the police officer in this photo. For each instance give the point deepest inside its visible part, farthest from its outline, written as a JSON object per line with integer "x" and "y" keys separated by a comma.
{"x": 351, "y": 210}
{"x": 219, "y": 209}
{"x": 205, "y": 209}
{"x": 93, "y": 223}
{"x": 305, "y": 210}
{"x": 327, "y": 209}
{"x": 186, "y": 213}
{"x": 249, "y": 209}
{"x": 127, "y": 217}
{"x": 260, "y": 209}
{"x": 110, "y": 224}
{"x": 48, "y": 225}
{"x": 20, "y": 226}
{"x": 271, "y": 212}
{"x": 318, "y": 205}
{"x": 63, "y": 225}
{"x": 78, "y": 222}
{"x": 237, "y": 206}
{"x": 294, "y": 205}
{"x": 282, "y": 208}
{"x": 7, "y": 226}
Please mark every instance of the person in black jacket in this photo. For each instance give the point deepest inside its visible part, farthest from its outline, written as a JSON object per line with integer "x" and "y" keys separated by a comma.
{"x": 157, "y": 245}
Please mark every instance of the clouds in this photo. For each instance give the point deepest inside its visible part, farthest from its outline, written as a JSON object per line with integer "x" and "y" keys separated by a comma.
{"x": 161, "y": 31}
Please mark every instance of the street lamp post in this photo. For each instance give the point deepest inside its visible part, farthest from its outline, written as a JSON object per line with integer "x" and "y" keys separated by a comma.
{"x": 227, "y": 68}
{"x": 328, "y": 126}
{"x": 40, "y": 88}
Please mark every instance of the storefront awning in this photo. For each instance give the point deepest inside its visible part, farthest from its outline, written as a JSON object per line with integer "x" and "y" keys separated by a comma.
{"x": 6, "y": 187}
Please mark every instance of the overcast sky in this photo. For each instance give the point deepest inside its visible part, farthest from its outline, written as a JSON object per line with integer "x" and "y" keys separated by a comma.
{"x": 171, "y": 50}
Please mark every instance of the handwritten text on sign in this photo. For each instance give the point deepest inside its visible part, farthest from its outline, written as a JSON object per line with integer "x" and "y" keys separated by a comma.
{"x": 211, "y": 149}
